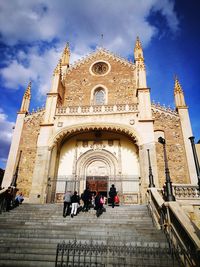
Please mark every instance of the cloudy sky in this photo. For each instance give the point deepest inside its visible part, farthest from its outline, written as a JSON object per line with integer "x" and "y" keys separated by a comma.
{"x": 33, "y": 34}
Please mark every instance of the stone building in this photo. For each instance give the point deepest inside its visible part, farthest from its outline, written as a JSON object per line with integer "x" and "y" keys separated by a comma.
{"x": 96, "y": 128}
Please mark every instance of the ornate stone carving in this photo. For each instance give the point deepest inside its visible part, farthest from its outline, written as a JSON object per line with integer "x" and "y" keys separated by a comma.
{"x": 100, "y": 68}
{"x": 97, "y": 146}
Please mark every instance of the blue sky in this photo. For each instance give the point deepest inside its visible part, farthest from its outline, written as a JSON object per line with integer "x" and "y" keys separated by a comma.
{"x": 33, "y": 34}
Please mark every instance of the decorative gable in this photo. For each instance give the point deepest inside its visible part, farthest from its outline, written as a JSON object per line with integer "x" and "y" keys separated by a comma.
{"x": 101, "y": 71}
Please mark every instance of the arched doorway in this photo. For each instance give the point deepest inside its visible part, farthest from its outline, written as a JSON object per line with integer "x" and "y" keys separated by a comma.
{"x": 99, "y": 158}
{"x": 97, "y": 167}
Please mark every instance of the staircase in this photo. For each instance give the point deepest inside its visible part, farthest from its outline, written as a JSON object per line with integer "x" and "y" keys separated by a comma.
{"x": 30, "y": 233}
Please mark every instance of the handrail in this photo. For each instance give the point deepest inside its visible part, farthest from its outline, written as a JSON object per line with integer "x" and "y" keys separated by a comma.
{"x": 171, "y": 218}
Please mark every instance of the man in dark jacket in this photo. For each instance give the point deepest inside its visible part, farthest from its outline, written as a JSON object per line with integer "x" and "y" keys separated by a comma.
{"x": 98, "y": 204}
{"x": 112, "y": 194}
{"x": 86, "y": 197}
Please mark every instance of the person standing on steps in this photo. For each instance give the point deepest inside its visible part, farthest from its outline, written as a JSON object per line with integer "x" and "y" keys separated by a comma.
{"x": 86, "y": 199}
{"x": 75, "y": 200}
{"x": 67, "y": 203}
{"x": 112, "y": 194}
{"x": 99, "y": 204}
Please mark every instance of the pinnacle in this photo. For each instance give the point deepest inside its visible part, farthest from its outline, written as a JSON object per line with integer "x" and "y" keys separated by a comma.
{"x": 177, "y": 86}
{"x": 138, "y": 44}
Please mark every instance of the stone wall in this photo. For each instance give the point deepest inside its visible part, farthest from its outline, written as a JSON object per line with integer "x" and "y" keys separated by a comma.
{"x": 170, "y": 124}
{"x": 120, "y": 81}
{"x": 28, "y": 145}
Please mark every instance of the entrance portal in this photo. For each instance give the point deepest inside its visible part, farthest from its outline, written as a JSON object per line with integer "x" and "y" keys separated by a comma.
{"x": 97, "y": 184}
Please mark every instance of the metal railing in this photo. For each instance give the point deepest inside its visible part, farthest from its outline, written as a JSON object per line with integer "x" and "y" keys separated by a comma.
{"x": 57, "y": 187}
{"x": 112, "y": 254}
{"x": 177, "y": 227}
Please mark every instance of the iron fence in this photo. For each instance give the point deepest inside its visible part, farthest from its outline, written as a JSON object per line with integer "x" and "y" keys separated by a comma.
{"x": 100, "y": 254}
{"x": 125, "y": 185}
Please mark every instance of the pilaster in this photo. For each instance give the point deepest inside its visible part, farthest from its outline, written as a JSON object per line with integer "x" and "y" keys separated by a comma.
{"x": 187, "y": 132}
{"x": 14, "y": 148}
{"x": 148, "y": 142}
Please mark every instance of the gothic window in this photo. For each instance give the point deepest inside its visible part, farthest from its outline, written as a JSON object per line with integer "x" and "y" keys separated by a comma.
{"x": 99, "y": 96}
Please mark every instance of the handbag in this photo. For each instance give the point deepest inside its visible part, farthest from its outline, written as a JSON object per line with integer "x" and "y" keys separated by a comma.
{"x": 116, "y": 200}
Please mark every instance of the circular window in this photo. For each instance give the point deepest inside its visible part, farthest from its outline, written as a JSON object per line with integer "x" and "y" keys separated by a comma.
{"x": 100, "y": 68}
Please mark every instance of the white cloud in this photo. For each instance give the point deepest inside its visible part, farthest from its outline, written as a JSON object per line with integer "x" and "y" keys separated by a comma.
{"x": 81, "y": 23}
{"x": 5, "y": 135}
{"x": 37, "y": 68}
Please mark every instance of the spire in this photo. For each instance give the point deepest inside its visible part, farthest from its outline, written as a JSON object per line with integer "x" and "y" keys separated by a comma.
{"x": 138, "y": 52}
{"x": 179, "y": 94}
{"x": 140, "y": 65}
{"x": 177, "y": 86}
{"x": 66, "y": 55}
{"x": 26, "y": 99}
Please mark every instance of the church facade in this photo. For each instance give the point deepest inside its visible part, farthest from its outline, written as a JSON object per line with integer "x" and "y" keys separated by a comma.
{"x": 98, "y": 128}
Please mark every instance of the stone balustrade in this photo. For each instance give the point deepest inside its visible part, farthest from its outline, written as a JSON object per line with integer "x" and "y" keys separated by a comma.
{"x": 97, "y": 109}
{"x": 186, "y": 191}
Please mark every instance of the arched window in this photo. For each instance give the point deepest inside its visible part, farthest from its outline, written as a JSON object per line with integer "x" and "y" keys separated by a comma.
{"x": 99, "y": 96}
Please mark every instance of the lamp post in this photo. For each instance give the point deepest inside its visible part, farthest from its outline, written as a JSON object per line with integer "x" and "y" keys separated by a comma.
{"x": 14, "y": 180}
{"x": 168, "y": 183}
{"x": 196, "y": 161}
{"x": 151, "y": 182}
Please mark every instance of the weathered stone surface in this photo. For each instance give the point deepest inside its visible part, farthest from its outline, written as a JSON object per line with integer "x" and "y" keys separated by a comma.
{"x": 120, "y": 82}
{"x": 28, "y": 145}
{"x": 170, "y": 125}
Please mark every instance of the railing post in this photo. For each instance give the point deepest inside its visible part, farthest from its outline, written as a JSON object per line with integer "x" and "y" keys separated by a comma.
{"x": 168, "y": 183}
{"x": 151, "y": 182}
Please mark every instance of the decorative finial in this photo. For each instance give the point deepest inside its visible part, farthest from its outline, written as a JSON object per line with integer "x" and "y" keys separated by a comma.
{"x": 138, "y": 52}
{"x": 27, "y": 93}
{"x": 177, "y": 85}
{"x": 66, "y": 55}
{"x": 26, "y": 99}
{"x": 101, "y": 40}
{"x": 138, "y": 44}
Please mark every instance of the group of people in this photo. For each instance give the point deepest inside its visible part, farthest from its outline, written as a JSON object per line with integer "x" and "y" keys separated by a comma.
{"x": 12, "y": 199}
{"x": 72, "y": 201}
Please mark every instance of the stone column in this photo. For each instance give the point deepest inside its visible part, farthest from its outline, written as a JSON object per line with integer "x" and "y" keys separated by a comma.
{"x": 40, "y": 176}
{"x": 13, "y": 154}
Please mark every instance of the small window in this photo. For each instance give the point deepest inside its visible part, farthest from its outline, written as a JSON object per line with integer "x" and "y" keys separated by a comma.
{"x": 99, "y": 97}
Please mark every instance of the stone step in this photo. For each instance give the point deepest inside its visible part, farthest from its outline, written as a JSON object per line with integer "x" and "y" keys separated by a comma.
{"x": 30, "y": 233}
{"x": 83, "y": 236}
{"x": 44, "y": 243}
